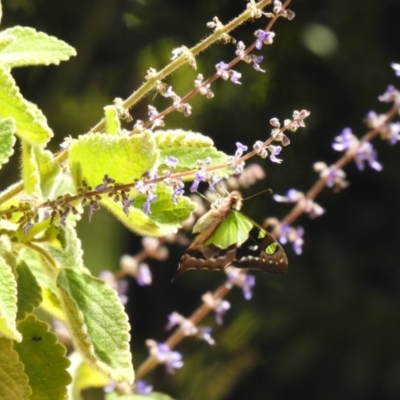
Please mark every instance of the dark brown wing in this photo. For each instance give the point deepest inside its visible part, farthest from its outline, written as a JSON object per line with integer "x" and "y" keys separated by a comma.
{"x": 199, "y": 256}
{"x": 264, "y": 253}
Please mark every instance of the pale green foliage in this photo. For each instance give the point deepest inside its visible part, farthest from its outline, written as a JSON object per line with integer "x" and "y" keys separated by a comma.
{"x": 41, "y": 259}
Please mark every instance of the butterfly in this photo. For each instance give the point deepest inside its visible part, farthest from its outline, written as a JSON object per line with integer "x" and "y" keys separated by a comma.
{"x": 226, "y": 236}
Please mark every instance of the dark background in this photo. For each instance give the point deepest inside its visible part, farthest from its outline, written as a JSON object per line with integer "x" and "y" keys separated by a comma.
{"x": 330, "y": 328}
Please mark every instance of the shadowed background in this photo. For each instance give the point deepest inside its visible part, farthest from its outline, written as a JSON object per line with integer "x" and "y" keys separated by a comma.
{"x": 330, "y": 328}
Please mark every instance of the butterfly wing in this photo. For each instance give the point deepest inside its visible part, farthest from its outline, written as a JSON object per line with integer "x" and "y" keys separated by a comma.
{"x": 261, "y": 251}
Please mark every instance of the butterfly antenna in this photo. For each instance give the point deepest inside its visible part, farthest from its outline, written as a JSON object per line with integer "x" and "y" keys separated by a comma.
{"x": 254, "y": 195}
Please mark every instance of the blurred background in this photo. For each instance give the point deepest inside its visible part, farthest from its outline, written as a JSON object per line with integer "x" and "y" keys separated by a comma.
{"x": 330, "y": 328}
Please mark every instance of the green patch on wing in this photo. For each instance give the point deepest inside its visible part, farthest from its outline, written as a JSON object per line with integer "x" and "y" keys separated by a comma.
{"x": 233, "y": 230}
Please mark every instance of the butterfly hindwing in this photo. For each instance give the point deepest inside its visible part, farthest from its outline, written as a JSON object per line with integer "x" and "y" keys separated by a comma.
{"x": 261, "y": 251}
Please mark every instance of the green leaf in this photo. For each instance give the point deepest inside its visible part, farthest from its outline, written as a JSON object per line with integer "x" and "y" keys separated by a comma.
{"x": 122, "y": 158}
{"x": 30, "y": 122}
{"x": 29, "y": 171}
{"x": 44, "y": 278}
{"x": 84, "y": 377}
{"x": 188, "y": 147}
{"x": 44, "y": 359}
{"x": 29, "y": 293}
{"x": 98, "y": 323}
{"x": 7, "y": 139}
{"x": 33, "y": 48}
{"x": 151, "y": 396}
{"x": 13, "y": 380}
{"x": 113, "y": 124}
{"x": 165, "y": 216}
{"x": 8, "y": 302}
{"x": 235, "y": 228}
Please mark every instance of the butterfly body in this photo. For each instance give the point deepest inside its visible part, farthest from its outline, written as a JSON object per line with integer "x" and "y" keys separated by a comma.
{"x": 226, "y": 236}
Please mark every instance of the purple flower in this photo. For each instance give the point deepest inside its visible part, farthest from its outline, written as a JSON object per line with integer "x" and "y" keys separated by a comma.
{"x": 162, "y": 352}
{"x": 218, "y": 305}
{"x": 292, "y": 196}
{"x": 241, "y": 279}
{"x": 393, "y": 133}
{"x": 200, "y": 176}
{"x": 151, "y": 197}
{"x": 103, "y": 187}
{"x": 367, "y": 153}
{"x": 263, "y": 38}
{"x": 143, "y": 275}
{"x": 240, "y": 149}
{"x": 171, "y": 162}
{"x": 391, "y": 95}
{"x": 294, "y": 236}
{"x": 225, "y": 73}
{"x": 256, "y": 63}
{"x": 143, "y": 388}
{"x": 396, "y": 68}
{"x": 274, "y": 150}
{"x": 345, "y": 140}
{"x": 334, "y": 177}
{"x": 177, "y": 193}
{"x": 126, "y": 203}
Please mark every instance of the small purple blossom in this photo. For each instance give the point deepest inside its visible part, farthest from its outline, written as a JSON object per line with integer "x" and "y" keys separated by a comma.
{"x": 367, "y": 153}
{"x": 27, "y": 227}
{"x": 274, "y": 150}
{"x": 178, "y": 192}
{"x": 200, "y": 176}
{"x": 391, "y": 95}
{"x": 241, "y": 279}
{"x": 220, "y": 306}
{"x": 396, "y": 68}
{"x": 162, "y": 352}
{"x": 292, "y": 196}
{"x": 345, "y": 140}
{"x": 93, "y": 207}
{"x": 256, "y": 63}
{"x": 225, "y": 73}
{"x": 392, "y": 133}
{"x": 126, "y": 203}
{"x": 263, "y": 38}
{"x": 294, "y": 236}
{"x": 151, "y": 197}
{"x": 334, "y": 177}
{"x": 143, "y": 388}
{"x": 171, "y": 162}
{"x": 143, "y": 275}
{"x": 104, "y": 187}
{"x": 240, "y": 149}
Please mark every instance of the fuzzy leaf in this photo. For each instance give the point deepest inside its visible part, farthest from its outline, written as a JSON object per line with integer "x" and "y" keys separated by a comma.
{"x": 84, "y": 376}
{"x": 44, "y": 278}
{"x": 13, "y": 380}
{"x": 7, "y": 139}
{"x": 165, "y": 216}
{"x": 8, "y": 302}
{"x": 113, "y": 124}
{"x": 98, "y": 323}
{"x": 33, "y": 48}
{"x": 29, "y": 171}
{"x": 29, "y": 295}
{"x": 122, "y": 158}
{"x": 44, "y": 359}
{"x": 30, "y": 122}
{"x": 188, "y": 147}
